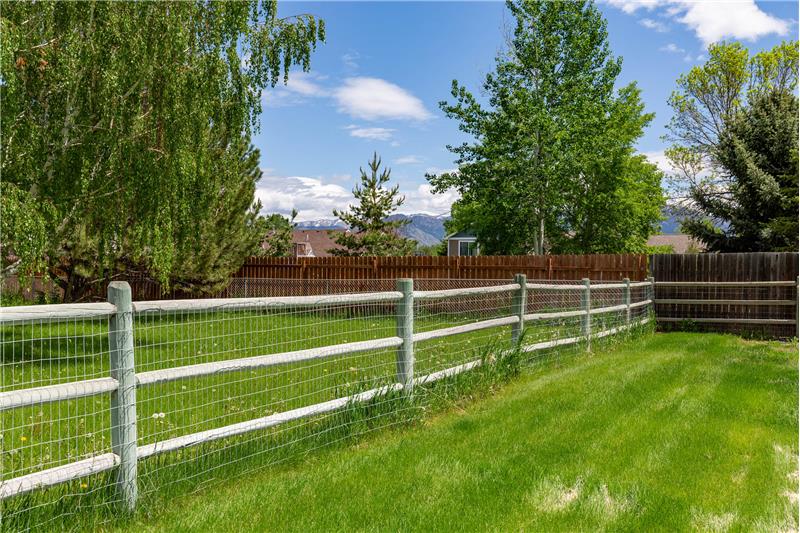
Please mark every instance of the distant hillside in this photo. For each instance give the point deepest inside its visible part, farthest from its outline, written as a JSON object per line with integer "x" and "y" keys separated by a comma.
{"x": 671, "y": 225}
{"x": 425, "y": 229}
{"x": 429, "y": 229}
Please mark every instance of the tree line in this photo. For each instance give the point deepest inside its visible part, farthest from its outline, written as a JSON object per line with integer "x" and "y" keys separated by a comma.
{"x": 126, "y": 144}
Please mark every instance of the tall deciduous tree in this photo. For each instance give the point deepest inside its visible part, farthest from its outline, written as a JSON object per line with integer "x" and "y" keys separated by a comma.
{"x": 114, "y": 111}
{"x": 370, "y": 233}
{"x": 757, "y": 152}
{"x": 554, "y": 146}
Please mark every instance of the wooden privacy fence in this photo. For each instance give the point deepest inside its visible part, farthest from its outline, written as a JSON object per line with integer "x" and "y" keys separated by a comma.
{"x": 745, "y": 293}
{"x": 600, "y": 267}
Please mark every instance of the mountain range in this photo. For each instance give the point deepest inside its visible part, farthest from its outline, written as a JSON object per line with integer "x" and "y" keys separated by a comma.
{"x": 429, "y": 229}
{"x": 425, "y": 229}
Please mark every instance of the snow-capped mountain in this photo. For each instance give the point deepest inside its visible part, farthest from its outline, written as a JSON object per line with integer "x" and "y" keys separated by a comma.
{"x": 425, "y": 229}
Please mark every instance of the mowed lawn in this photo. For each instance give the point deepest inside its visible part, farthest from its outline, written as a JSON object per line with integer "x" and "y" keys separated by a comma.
{"x": 667, "y": 432}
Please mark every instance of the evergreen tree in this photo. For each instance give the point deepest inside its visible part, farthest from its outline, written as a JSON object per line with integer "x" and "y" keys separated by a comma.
{"x": 370, "y": 233}
{"x": 757, "y": 153}
{"x": 705, "y": 100}
{"x": 232, "y": 230}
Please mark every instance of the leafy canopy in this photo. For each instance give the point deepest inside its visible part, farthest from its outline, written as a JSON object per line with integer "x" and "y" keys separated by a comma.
{"x": 114, "y": 112}
{"x": 552, "y": 166}
{"x": 278, "y": 235}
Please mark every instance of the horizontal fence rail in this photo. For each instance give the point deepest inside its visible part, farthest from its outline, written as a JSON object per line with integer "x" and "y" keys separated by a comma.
{"x": 195, "y": 328}
{"x": 742, "y": 293}
{"x": 734, "y": 304}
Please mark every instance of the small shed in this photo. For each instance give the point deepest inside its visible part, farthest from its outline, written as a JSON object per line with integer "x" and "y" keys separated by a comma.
{"x": 462, "y": 243}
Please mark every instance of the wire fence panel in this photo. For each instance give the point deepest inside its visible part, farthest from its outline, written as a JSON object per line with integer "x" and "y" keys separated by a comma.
{"x": 217, "y": 388}
{"x": 48, "y": 357}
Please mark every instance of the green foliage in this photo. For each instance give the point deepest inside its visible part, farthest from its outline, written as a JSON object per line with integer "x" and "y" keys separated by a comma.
{"x": 231, "y": 231}
{"x": 552, "y": 165}
{"x": 660, "y": 249}
{"x": 279, "y": 235}
{"x": 438, "y": 249}
{"x": 23, "y": 232}
{"x": 370, "y": 233}
{"x": 758, "y": 152}
{"x": 114, "y": 113}
{"x": 707, "y": 100}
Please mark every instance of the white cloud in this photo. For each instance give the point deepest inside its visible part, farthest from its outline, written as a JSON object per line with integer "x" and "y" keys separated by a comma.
{"x": 312, "y": 197}
{"x": 672, "y": 48}
{"x": 300, "y": 87}
{"x": 374, "y": 98}
{"x": 660, "y": 160}
{"x": 651, "y": 24}
{"x": 304, "y": 83}
{"x": 631, "y": 6}
{"x": 408, "y": 160}
{"x": 350, "y": 60}
{"x": 422, "y": 200}
{"x": 316, "y": 198}
{"x": 712, "y": 21}
{"x": 375, "y": 134}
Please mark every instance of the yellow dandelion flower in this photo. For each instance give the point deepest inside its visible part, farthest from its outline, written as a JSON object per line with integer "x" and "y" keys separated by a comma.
{"x": 23, "y": 438}
{"x": 84, "y": 485}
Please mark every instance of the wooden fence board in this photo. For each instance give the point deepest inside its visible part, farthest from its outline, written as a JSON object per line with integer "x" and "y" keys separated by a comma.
{"x": 760, "y": 266}
{"x": 600, "y": 267}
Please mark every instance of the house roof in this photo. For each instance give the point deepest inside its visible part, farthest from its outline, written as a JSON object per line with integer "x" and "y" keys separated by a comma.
{"x": 461, "y": 235}
{"x": 680, "y": 243}
{"x": 319, "y": 239}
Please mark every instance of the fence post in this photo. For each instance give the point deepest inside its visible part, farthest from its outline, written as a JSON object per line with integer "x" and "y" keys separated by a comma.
{"x": 626, "y": 299}
{"x": 519, "y": 304}
{"x": 405, "y": 330}
{"x": 652, "y": 296}
{"x": 797, "y": 307}
{"x": 587, "y": 307}
{"x": 123, "y": 400}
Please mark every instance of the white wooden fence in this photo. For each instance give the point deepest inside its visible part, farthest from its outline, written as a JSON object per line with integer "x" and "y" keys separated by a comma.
{"x": 124, "y": 380}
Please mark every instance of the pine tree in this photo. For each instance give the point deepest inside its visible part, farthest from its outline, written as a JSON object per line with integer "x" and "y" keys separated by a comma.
{"x": 370, "y": 233}
{"x": 232, "y": 229}
{"x": 757, "y": 153}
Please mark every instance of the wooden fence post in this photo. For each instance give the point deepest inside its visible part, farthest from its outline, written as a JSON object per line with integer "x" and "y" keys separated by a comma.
{"x": 587, "y": 307}
{"x": 519, "y": 304}
{"x": 626, "y": 299}
{"x": 651, "y": 289}
{"x": 123, "y": 400}
{"x": 405, "y": 330}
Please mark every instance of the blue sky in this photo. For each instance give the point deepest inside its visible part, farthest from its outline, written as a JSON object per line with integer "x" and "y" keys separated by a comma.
{"x": 375, "y": 85}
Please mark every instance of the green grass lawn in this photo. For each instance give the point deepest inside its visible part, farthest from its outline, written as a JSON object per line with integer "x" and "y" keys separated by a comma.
{"x": 667, "y": 432}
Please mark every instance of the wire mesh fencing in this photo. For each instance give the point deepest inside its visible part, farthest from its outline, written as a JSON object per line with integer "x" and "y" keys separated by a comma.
{"x": 107, "y": 407}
